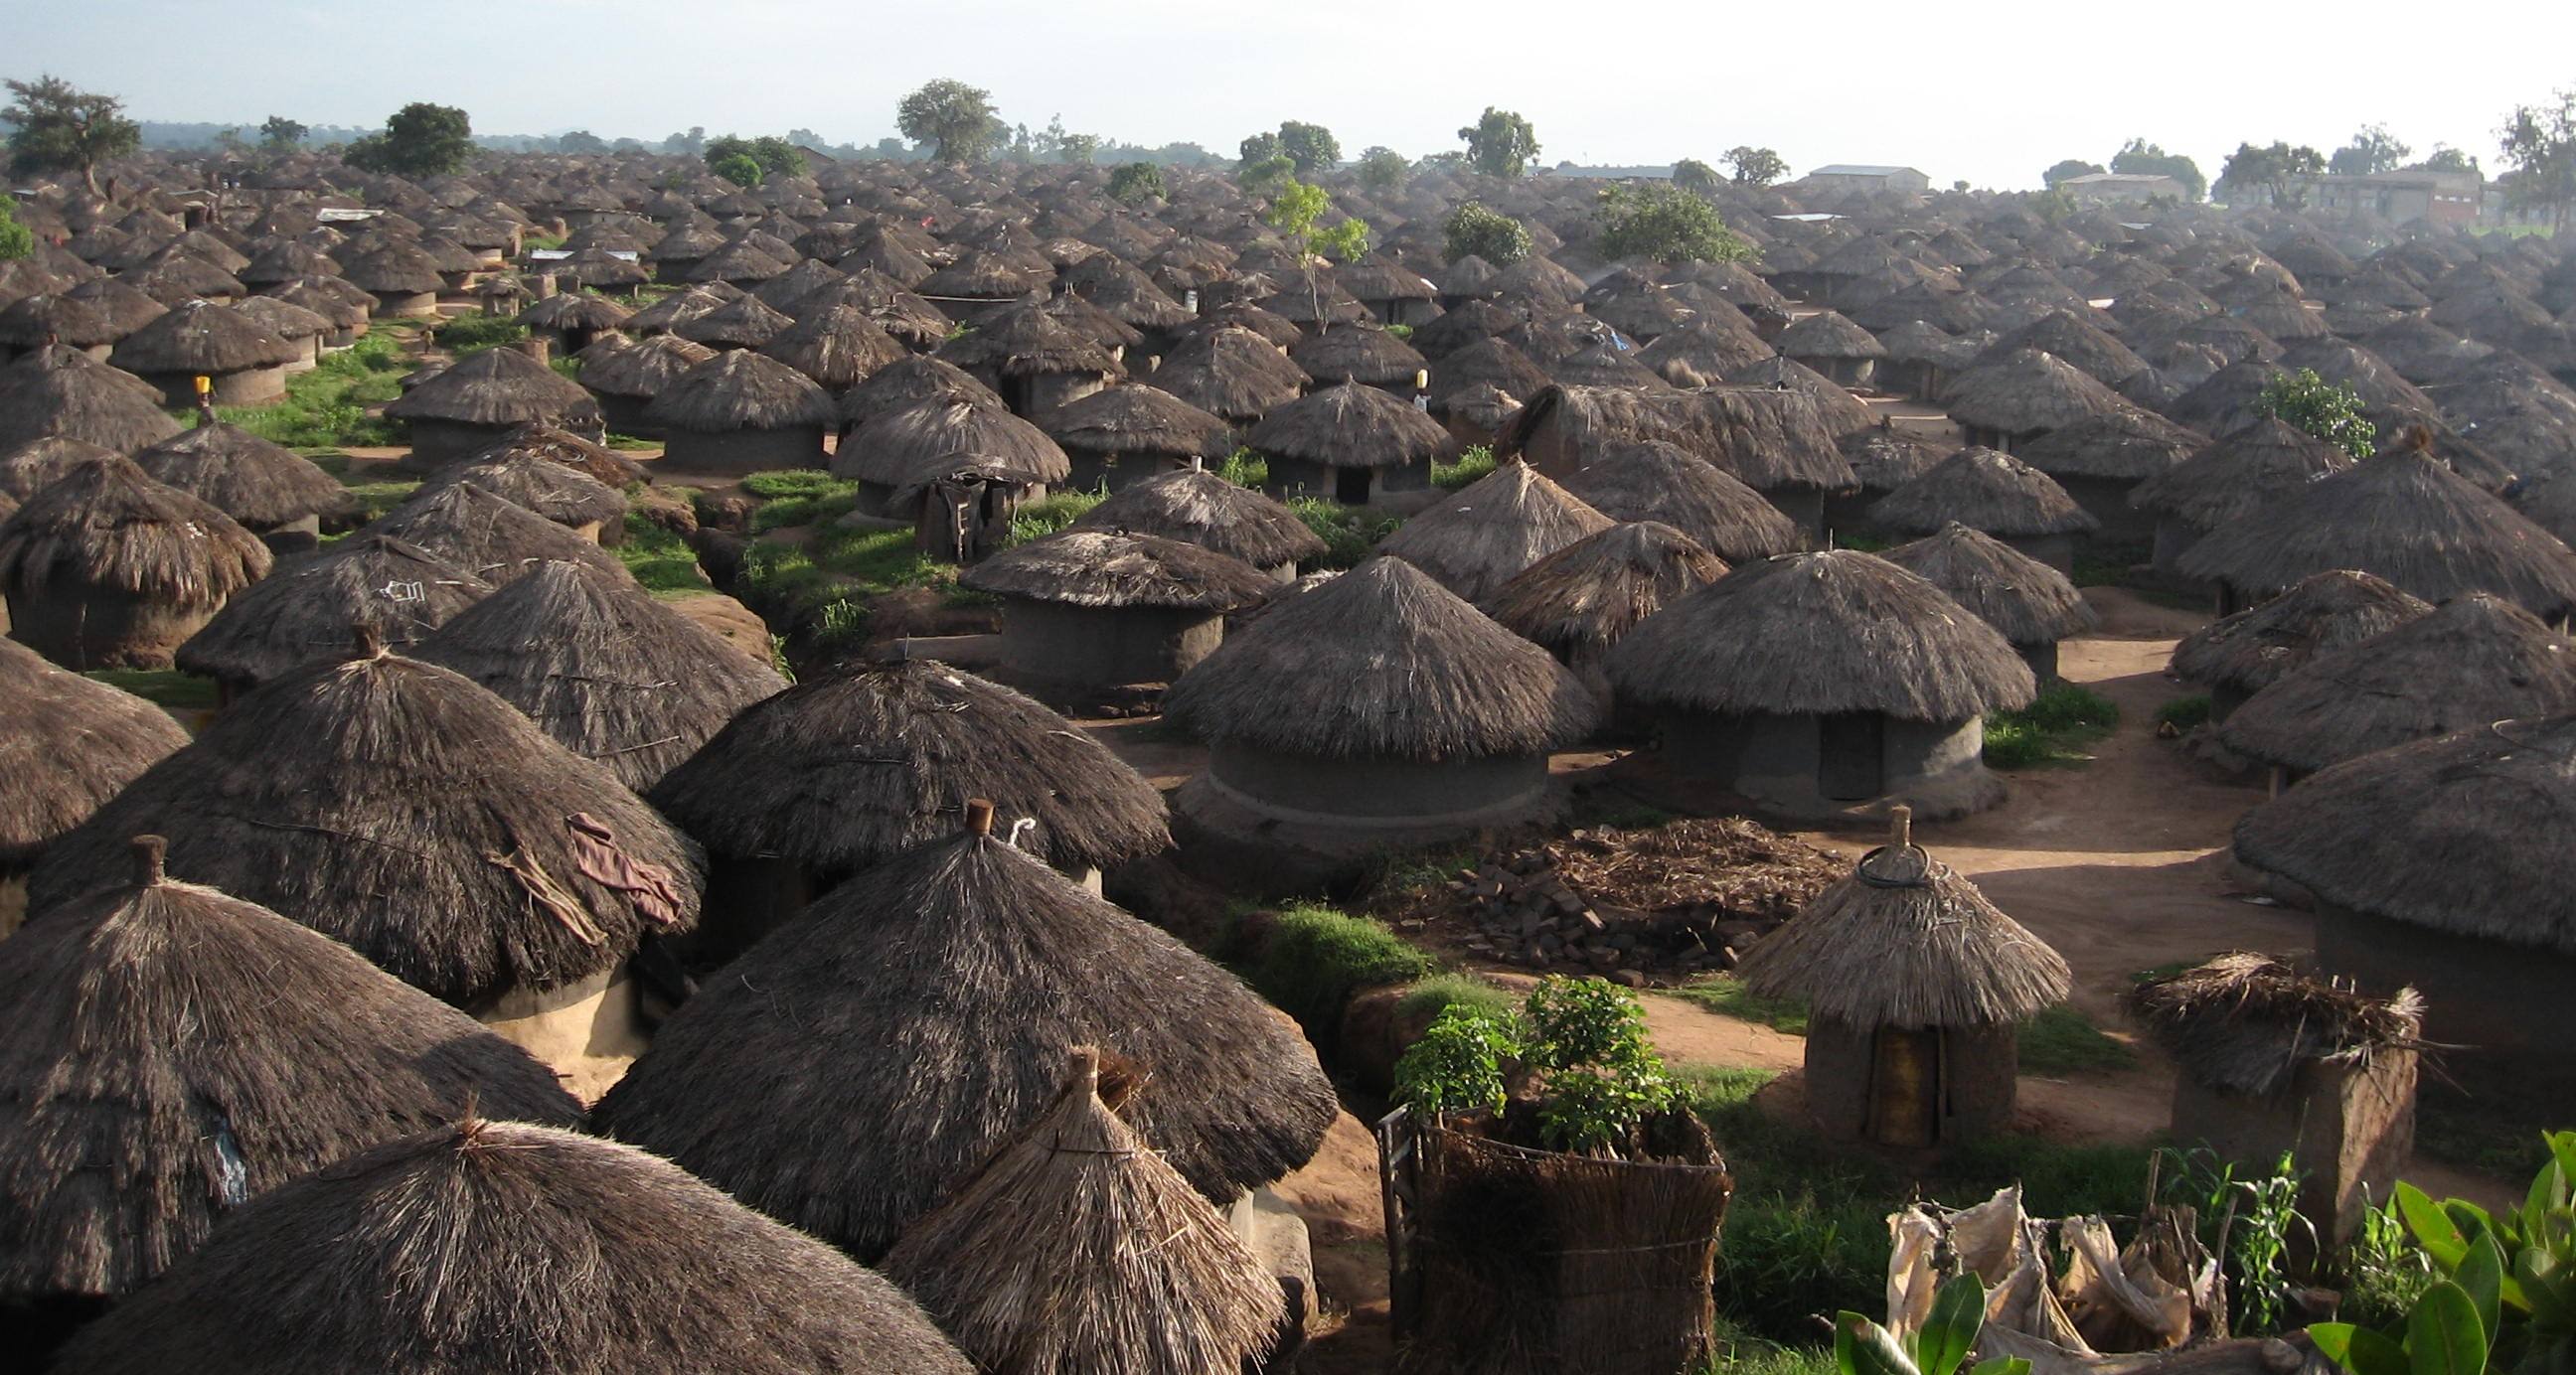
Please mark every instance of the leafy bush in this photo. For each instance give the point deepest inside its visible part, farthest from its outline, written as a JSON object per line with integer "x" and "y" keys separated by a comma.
{"x": 805, "y": 497}
{"x": 2264, "y": 1219}
{"x": 1472, "y": 466}
{"x": 1586, "y": 1038}
{"x": 1136, "y": 183}
{"x": 1661, "y": 223}
{"x": 2384, "y": 1271}
{"x": 1244, "y": 468}
{"x": 471, "y": 334}
{"x": 1458, "y": 1065}
{"x": 1471, "y": 229}
{"x": 2320, "y": 408}
{"x": 1316, "y": 957}
{"x": 1939, "y": 1347}
{"x": 1350, "y": 535}
{"x": 16, "y": 240}
{"x": 166, "y": 688}
{"x": 726, "y": 153}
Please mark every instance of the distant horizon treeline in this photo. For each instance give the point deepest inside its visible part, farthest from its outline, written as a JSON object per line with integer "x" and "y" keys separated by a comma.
{"x": 181, "y": 135}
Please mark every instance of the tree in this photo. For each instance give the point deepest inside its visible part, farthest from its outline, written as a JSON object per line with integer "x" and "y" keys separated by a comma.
{"x": 1664, "y": 224}
{"x": 281, "y": 133}
{"x": 1756, "y": 166}
{"x": 742, "y": 169}
{"x": 2321, "y": 408}
{"x": 2276, "y": 167}
{"x": 16, "y": 240}
{"x": 1383, "y": 169}
{"x": 2069, "y": 170}
{"x": 1296, "y": 210}
{"x": 2140, "y": 158}
{"x": 420, "y": 140}
{"x": 2539, "y": 144}
{"x": 1695, "y": 176}
{"x": 61, "y": 128}
{"x": 2372, "y": 150}
{"x": 766, "y": 154}
{"x": 1311, "y": 146}
{"x": 1079, "y": 149}
{"x": 955, "y": 119}
{"x": 1497, "y": 238}
{"x": 692, "y": 143}
{"x": 1258, "y": 148}
{"x": 1136, "y": 183}
{"x": 2445, "y": 158}
{"x": 581, "y": 141}
{"x": 1266, "y": 176}
{"x": 1500, "y": 143}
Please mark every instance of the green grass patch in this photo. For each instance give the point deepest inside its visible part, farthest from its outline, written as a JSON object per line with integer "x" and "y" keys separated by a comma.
{"x": 166, "y": 688}
{"x": 795, "y": 482}
{"x": 628, "y": 441}
{"x": 1739, "y": 1352}
{"x": 1350, "y": 535}
{"x": 2092, "y": 570}
{"x": 1472, "y": 466}
{"x": 803, "y": 497}
{"x": 1727, "y": 997}
{"x": 326, "y": 408}
{"x": 1860, "y": 543}
{"x": 533, "y": 243}
{"x": 1316, "y": 957}
{"x": 567, "y": 368}
{"x": 1426, "y": 999}
{"x": 2183, "y": 713}
{"x": 2053, "y": 729}
{"x": 2061, "y": 1040}
{"x": 471, "y": 334}
{"x": 376, "y": 498}
{"x": 660, "y": 559}
{"x": 1403, "y": 332}
{"x": 1045, "y": 516}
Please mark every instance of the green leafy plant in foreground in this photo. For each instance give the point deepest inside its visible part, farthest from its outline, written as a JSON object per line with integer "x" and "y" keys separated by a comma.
{"x": 1584, "y": 1040}
{"x": 1940, "y": 1347}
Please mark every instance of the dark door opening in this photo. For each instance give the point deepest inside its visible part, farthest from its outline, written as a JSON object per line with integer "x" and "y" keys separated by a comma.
{"x": 1851, "y": 749}
{"x": 1351, "y": 486}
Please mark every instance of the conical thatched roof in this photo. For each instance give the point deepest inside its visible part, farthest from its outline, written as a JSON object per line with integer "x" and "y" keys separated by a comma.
{"x": 33, "y": 466}
{"x": 2028, "y": 391}
{"x": 1580, "y": 600}
{"x": 1139, "y": 420}
{"x": 1884, "y": 458}
{"x": 107, "y": 524}
{"x": 597, "y": 462}
{"x": 33, "y": 321}
{"x": 2122, "y": 445}
{"x": 2485, "y": 822}
{"x": 1358, "y": 353}
{"x": 487, "y": 536}
{"x": 571, "y": 310}
{"x": 2030, "y": 602}
{"x": 1820, "y": 633}
{"x": 1907, "y": 942}
{"x": 413, "y": 815}
{"x": 1486, "y": 361}
{"x": 845, "y": 771}
{"x": 1983, "y": 489}
{"x": 173, "y": 1052}
{"x": 545, "y": 1253}
{"x": 311, "y": 609}
{"x": 2473, "y": 660}
{"x": 1657, "y": 481}
{"x": 246, "y": 477}
{"x": 929, "y": 437}
{"x": 1474, "y": 541}
{"x": 602, "y": 667}
{"x": 520, "y": 474}
{"x": 983, "y": 965}
{"x": 907, "y": 382}
{"x": 1198, "y": 507}
{"x": 1078, "y": 1251}
{"x": 1713, "y": 344}
{"x": 67, "y": 745}
{"x": 744, "y": 323}
{"x": 741, "y": 390}
{"x": 838, "y": 346}
{"x": 2404, "y": 517}
{"x": 1351, "y": 426}
{"x": 58, "y": 390}
{"x": 2324, "y": 612}
{"x": 1230, "y": 373}
{"x": 200, "y": 336}
{"x": 639, "y": 367}
{"x": 1026, "y": 341}
{"x": 1381, "y": 663}
{"x": 499, "y": 386}
{"x": 2240, "y": 475}
{"x": 1104, "y": 569}
{"x": 2246, "y": 1024}
{"x": 1827, "y": 334}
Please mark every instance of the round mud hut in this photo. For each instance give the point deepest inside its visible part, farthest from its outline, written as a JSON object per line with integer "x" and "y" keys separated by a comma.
{"x": 310, "y": 610}
{"x": 63, "y": 392}
{"x": 1996, "y": 494}
{"x": 1349, "y": 443}
{"x": 1833, "y": 346}
{"x": 837, "y": 346}
{"x": 571, "y": 321}
{"x": 1816, "y": 685}
{"x": 957, "y": 469}
{"x": 1088, "y": 612}
{"x": 1127, "y": 434}
{"x": 67, "y": 745}
{"x": 2015, "y": 399}
{"x": 33, "y": 466}
{"x": 243, "y": 363}
{"x": 2101, "y": 459}
{"x": 626, "y": 378}
{"x": 1231, "y": 373}
{"x": 2230, "y": 480}
{"x": 1651, "y": 480}
{"x": 174, "y": 1052}
{"x": 1198, "y": 507}
{"x": 1916, "y": 987}
{"x": 2033, "y": 605}
{"x": 106, "y": 568}
{"x": 493, "y": 539}
{"x": 527, "y": 471}
{"x": 271, "y": 491}
{"x": 1482, "y": 536}
{"x": 2237, "y": 656}
{"x": 1579, "y": 601}
{"x": 481, "y": 399}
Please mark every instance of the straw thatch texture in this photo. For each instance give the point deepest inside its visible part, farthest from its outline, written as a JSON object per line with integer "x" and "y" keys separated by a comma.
{"x": 67, "y": 745}
{"x": 1884, "y": 458}
{"x": 1078, "y": 1251}
{"x": 1026, "y": 341}
{"x": 2326, "y": 611}
{"x": 310, "y": 609}
{"x": 906, "y": 382}
{"x": 1351, "y": 426}
{"x": 1826, "y": 334}
{"x": 849, "y": 769}
{"x": 1358, "y": 353}
{"x": 940, "y": 434}
{"x": 201, "y": 337}
{"x": 1477, "y": 539}
{"x": 745, "y": 323}
{"x": 2482, "y": 819}
{"x": 518, "y": 475}
{"x": 1816, "y": 633}
{"x": 58, "y": 390}
{"x": 2026, "y": 392}
{"x": 2122, "y": 445}
{"x": 499, "y": 386}
{"x": 2030, "y": 602}
{"x": 1140, "y": 420}
{"x": 2404, "y": 517}
{"x": 982, "y": 964}
{"x": 2245, "y": 1023}
{"x": 1101, "y": 568}
{"x": 2475, "y": 659}
{"x": 173, "y": 1052}
{"x": 741, "y": 390}
{"x": 566, "y": 311}
{"x": 1381, "y": 663}
{"x": 246, "y": 477}
{"x": 610, "y": 673}
{"x": 597, "y": 462}
{"x": 2239, "y": 475}
{"x": 837, "y": 346}
{"x": 107, "y": 525}
{"x": 494, "y": 539}
{"x": 413, "y": 815}
{"x": 1580, "y": 600}
{"x": 1198, "y": 507}
{"x": 34, "y": 465}
{"x": 503, "y": 1247}
{"x": 1983, "y": 489}
{"x": 639, "y": 367}
{"x": 1907, "y": 942}
{"x": 1230, "y": 373}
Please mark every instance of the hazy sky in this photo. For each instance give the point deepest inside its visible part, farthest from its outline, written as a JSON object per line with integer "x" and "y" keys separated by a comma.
{"x": 1991, "y": 92}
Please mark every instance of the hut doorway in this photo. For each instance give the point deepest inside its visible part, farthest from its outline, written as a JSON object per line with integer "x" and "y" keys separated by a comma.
{"x": 1351, "y": 486}
{"x": 1851, "y": 748}
{"x": 1905, "y": 1086}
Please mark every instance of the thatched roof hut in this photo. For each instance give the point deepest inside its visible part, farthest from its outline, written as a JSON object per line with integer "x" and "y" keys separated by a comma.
{"x": 1033, "y": 359}
{"x": 607, "y": 671}
{"x": 549, "y": 1252}
{"x": 1131, "y": 432}
{"x": 575, "y": 318}
{"x": 597, "y": 462}
{"x": 742, "y": 411}
{"x": 488, "y": 536}
{"x": 1360, "y": 353}
{"x": 905, "y": 382}
{"x": 199, "y": 338}
{"x": 484, "y": 397}
{"x": 838, "y": 346}
{"x": 107, "y": 568}
{"x": 59, "y": 390}
{"x": 35, "y": 465}
{"x": 1351, "y": 442}
{"x": 1092, "y": 609}
{"x": 2238, "y": 476}
{"x": 2475, "y": 659}
{"x": 1577, "y": 602}
{"x": 1651, "y": 480}
{"x": 1832, "y": 345}
{"x": 1994, "y": 492}
{"x": 2032, "y": 604}
{"x": 1230, "y": 373}
{"x": 2404, "y": 517}
{"x": 525, "y": 471}
{"x": 419, "y": 818}
{"x": 2248, "y": 1024}
{"x": 1077, "y": 1250}
{"x": 311, "y": 609}
{"x": 771, "y": 1083}
{"x": 2125, "y": 445}
{"x": 746, "y": 322}
{"x": 1915, "y": 984}
{"x": 2239, "y": 655}
{"x": 271, "y": 490}
{"x": 1201, "y": 508}
{"x": 1477, "y": 539}
{"x": 31, "y": 322}
{"x": 2023, "y": 395}
{"x": 67, "y": 745}
{"x": 905, "y": 449}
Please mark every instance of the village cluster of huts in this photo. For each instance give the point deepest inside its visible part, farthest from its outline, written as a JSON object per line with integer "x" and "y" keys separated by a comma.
{"x": 480, "y": 817}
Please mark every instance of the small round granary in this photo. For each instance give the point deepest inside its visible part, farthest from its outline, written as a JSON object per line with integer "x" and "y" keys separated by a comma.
{"x": 106, "y": 568}
{"x": 1916, "y": 986}
{"x": 1089, "y": 610}
{"x": 1318, "y": 753}
{"x": 1195, "y": 506}
{"x": 1812, "y": 685}
{"x": 481, "y": 399}
{"x": 742, "y": 412}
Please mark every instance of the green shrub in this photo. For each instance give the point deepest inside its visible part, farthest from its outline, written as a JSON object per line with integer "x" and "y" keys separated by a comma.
{"x": 1244, "y": 468}
{"x": 1350, "y": 535}
{"x": 2183, "y": 713}
{"x": 1316, "y": 957}
{"x": 1472, "y": 466}
{"x": 1586, "y": 1036}
{"x": 2320, "y": 408}
{"x": 471, "y": 334}
{"x": 1488, "y": 234}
